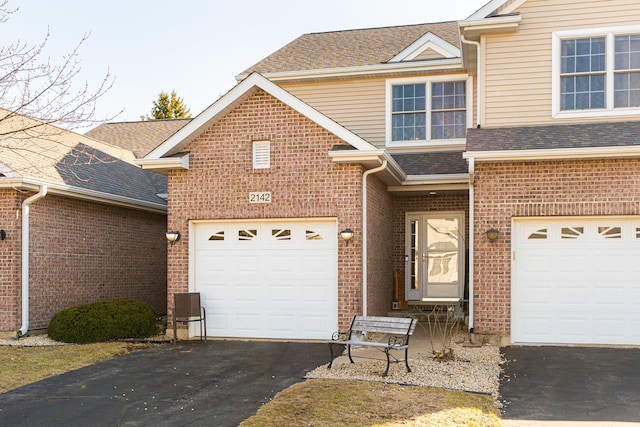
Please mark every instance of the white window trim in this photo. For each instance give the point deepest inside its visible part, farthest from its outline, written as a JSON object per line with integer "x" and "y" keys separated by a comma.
{"x": 261, "y": 154}
{"x": 609, "y": 33}
{"x": 427, "y": 80}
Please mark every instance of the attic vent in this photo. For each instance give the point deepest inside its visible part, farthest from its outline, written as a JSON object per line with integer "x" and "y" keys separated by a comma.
{"x": 261, "y": 154}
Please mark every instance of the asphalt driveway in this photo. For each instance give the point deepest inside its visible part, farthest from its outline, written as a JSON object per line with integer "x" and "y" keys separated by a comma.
{"x": 571, "y": 384}
{"x": 217, "y": 383}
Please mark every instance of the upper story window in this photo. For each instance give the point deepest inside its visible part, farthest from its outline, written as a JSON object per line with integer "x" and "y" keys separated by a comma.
{"x": 596, "y": 72}
{"x": 427, "y": 112}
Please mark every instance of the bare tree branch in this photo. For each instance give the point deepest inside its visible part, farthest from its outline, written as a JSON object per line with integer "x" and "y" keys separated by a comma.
{"x": 43, "y": 90}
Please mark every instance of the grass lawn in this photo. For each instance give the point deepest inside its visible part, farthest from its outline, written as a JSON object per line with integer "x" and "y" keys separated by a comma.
{"x": 43, "y": 362}
{"x": 364, "y": 403}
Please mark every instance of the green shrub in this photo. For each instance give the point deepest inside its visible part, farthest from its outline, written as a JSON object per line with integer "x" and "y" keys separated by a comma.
{"x": 103, "y": 321}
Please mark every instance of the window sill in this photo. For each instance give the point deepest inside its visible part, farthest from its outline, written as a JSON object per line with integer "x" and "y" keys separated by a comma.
{"x": 435, "y": 143}
{"x": 618, "y": 112}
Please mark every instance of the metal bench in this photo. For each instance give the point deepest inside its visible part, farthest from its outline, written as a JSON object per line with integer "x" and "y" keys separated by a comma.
{"x": 396, "y": 330}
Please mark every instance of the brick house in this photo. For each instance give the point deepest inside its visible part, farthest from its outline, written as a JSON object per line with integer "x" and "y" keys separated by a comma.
{"x": 493, "y": 159}
{"x": 80, "y": 223}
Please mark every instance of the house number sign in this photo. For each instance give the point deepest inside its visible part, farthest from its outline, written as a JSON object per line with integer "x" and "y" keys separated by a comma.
{"x": 260, "y": 197}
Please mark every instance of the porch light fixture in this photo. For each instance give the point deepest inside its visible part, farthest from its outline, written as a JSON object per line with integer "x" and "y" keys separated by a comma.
{"x": 3, "y": 234}
{"x": 492, "y": 234}
{"x": 347, "y": 235}
{"x": 172, "y": 236}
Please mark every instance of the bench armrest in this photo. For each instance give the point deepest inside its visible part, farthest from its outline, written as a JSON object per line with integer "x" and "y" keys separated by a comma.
{"x": 340, "y": 336}
{"x": 396, "y": 340}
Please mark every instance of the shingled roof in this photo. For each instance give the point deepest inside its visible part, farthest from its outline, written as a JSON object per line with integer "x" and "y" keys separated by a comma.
{"x": 350, "y": 48}
{"x": 435, "y": 163}
{"x": 63, "y": 158}
{"x": 584, "y": 135}
{"x": 140, "y": 137}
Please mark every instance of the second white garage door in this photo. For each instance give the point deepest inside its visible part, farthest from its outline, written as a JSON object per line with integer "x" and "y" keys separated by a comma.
{"x": 265, "y": 279}
{"x": 576, "y": 281}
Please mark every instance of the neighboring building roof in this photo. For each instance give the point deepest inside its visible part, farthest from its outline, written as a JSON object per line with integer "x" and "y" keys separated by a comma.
{"x": 140, "y": 137}
{"x": 433, "y": 163}
{"x": 350, "y": 48}
{"x": 31, "y": 150}
{"x": 584, "y": 135}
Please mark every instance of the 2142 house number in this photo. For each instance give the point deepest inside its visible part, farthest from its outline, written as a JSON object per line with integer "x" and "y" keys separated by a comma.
{"x": 260, "y": 197}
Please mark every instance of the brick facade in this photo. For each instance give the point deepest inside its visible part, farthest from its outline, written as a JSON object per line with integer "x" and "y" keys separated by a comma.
{"x": 379, "y": 250}
{"x": 534, "y": 189}
{"x": 10, "y": 256}
{"x": 303, "y": 180}
{"x": 80, "y": 252}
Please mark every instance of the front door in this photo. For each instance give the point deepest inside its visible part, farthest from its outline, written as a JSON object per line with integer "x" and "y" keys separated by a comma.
{"x": 434, "y": 266}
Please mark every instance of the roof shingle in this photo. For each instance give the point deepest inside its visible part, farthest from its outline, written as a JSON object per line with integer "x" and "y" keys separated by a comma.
{"x": 139, "y": 137}
{"x": 584, "y": 135}
{"x": 350, "y": 48}
{"x": 434, "y": 163}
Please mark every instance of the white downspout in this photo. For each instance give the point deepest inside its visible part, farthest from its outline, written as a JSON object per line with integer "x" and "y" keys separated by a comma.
{"x": 472, "y": 170}
{"x": 365, "y": 175}
{"x": 478, "y": 78}
{"x": 472, "y": 166}
{"x": 25, "y": 258}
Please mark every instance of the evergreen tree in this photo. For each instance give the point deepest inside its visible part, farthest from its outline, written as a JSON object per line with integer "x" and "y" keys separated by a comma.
{"x": 169, "y": 107}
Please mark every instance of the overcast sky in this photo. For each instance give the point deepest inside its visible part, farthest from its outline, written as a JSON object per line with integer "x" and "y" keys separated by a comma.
{"x": 195, "y": 47}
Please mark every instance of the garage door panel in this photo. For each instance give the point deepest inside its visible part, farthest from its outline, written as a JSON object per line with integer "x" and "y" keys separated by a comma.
{"x": 591, "y": 293}
{"x": 269, "y": 279}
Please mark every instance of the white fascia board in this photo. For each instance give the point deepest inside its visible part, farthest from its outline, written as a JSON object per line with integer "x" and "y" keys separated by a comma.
{"x": 238, "y": 94}
{"x": 395, "y": 67}
{"x": 428, "y": 41}
{"x": 422, "y": 188}
{"x": 164, "y": 163}
{"x": 375, "y": 156}
{"x": 455, "y": 178}
{"x": 487, "y": 9}
{"x": 83, "y": 194}
{"x": 497, "y": 24}
{"x": 554, "y": 154}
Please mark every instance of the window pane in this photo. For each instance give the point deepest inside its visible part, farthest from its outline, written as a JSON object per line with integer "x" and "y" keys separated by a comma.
{"x": 597, "y": 100}
{"x": 568, "y": 47}
{"x": 622, "y": 61}
{"x": 568, "y": 102}
{"x": 582, "y": 101}
{"x": 598, "y": 63}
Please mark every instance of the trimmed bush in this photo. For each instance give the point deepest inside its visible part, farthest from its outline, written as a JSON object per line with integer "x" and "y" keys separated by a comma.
{"x": 103, "y": 321}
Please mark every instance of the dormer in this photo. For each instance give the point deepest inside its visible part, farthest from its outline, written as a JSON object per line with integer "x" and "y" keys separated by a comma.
{"x": 427, "y": 47}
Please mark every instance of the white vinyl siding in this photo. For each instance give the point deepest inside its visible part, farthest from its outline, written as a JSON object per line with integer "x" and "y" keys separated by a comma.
{"x": 518, "y": 66}
{"x": 358, "y": 105}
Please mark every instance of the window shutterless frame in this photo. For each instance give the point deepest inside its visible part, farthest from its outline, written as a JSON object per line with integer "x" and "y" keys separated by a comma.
{"x": 620, "y": 78}
{"x": 428, "y": 138}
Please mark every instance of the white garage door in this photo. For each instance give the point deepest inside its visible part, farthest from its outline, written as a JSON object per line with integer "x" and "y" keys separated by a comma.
{"x": 576, "y": 281}
{"x": 267, "y": 279}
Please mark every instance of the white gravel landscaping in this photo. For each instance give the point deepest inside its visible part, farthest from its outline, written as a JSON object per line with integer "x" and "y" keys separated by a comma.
{"x": 475, "y": 369}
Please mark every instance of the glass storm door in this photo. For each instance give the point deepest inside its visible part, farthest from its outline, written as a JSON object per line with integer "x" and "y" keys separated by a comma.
{"x": 435, "y": 255}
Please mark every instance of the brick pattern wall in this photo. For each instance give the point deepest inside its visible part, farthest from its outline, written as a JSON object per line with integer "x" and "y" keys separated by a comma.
{"x": 10, "y": 259}
{"x": 380, "y": 254}
{"x": 304, "y": 183}
{"x": 447, "y": 202}
{"x": 534, "y": 189}
{"x": 83, "y": 252}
